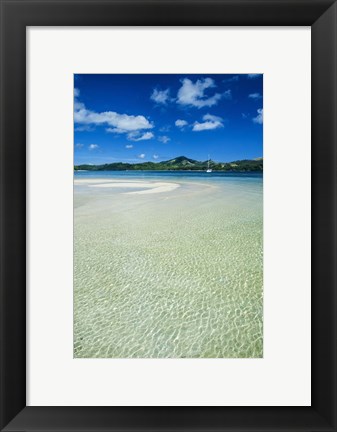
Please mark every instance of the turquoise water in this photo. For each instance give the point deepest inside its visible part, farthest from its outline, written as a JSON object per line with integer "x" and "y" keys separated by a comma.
{"x": 168, "y": 265}
{"x": 190, "y": 175}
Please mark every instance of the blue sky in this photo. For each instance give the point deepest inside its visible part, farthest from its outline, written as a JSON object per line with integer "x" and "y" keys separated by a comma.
{"x": 135, "y": 118}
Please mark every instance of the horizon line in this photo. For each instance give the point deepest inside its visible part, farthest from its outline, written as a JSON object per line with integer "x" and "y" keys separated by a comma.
{"x": 168, "y": 160}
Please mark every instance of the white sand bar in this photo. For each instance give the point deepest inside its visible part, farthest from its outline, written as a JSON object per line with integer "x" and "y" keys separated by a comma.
{"x": 147, "y": 188}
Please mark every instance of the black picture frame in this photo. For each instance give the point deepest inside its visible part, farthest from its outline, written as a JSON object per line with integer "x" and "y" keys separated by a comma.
{"x": 16, "y": 15}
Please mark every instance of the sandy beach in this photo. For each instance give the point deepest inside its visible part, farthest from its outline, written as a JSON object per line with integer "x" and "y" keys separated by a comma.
{"x": 145, "y": 188}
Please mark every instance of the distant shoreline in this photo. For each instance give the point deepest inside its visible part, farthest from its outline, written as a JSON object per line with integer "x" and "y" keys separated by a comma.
{"x": 181, "y": 163}
{"x": 172, "y": 170}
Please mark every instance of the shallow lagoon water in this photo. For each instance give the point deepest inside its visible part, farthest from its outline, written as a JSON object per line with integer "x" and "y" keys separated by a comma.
{"x": 173, "y": 274}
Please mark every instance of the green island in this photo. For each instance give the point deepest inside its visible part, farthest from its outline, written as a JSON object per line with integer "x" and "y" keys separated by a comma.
{"x": 181, "y": 163}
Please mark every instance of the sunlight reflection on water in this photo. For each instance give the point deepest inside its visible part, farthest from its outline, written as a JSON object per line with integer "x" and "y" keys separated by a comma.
{"x": 177, "y": 274}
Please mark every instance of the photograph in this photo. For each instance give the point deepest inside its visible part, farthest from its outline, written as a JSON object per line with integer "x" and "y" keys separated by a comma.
{"x": 168, "y": 216}
{"x": 195, "y": 278}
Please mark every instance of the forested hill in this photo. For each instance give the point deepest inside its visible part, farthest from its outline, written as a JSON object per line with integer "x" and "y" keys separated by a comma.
{"x": 180, "y": 163}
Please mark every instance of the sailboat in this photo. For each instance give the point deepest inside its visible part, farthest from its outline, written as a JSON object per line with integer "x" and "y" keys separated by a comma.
{"x": 209, "y": 170}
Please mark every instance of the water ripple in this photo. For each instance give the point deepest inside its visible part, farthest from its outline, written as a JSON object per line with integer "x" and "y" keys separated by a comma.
{"x": 172, "y": 275}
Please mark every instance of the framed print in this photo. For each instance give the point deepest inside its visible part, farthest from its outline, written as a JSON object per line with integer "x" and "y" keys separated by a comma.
{"x": 168, "y": 218}
{"x": 88, "y": 288}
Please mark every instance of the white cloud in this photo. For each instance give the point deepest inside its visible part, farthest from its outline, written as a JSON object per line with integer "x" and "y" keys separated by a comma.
{"x": 193, "y": 93}
{"x": 164, "y": 139}
{"x": 244, "y": 116}
{"x": 118, "y": 123}
{"x": 210, "y": 122}
{"x": 141, "y": 156}
{"x": 165, "y": 128}
{"x": 181, "y": 123}
{"x": 78, "y": 106}
{"x": 259, "y": 118}
{"x": 85, "y": 128}
{"x": 160, "y": 96}
{"x": 121, "y": 123}
{"x": 139, "y": 136}
{"x": 115, "y": 130}
{"x": 227, "y": 94}
{"x": 255, "y": 96}
{"x": 93, "y": 146}
{"x": 253, "y": 76}
{"x": 129, "y": 146}
{"x": 78, "y": 145}
{"x": 232, "y": 79}
{"x": 155, "y": 156}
